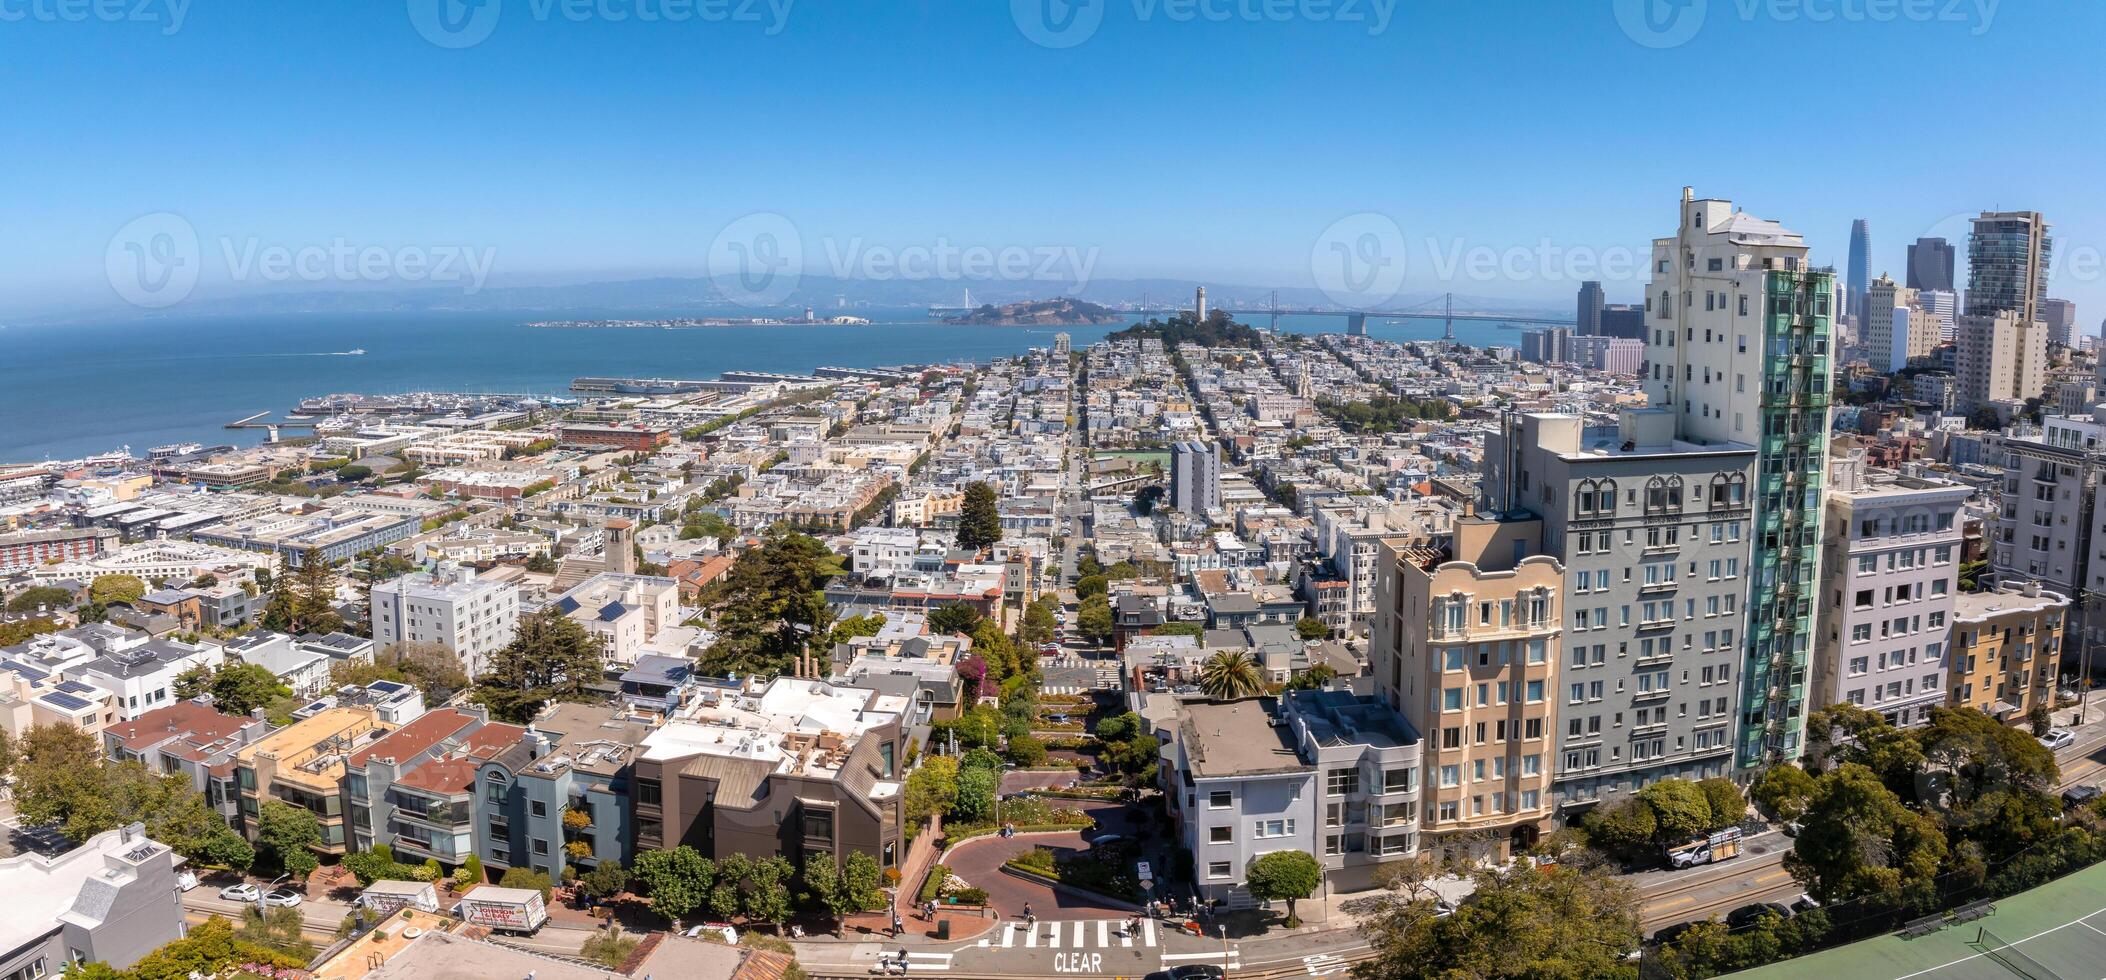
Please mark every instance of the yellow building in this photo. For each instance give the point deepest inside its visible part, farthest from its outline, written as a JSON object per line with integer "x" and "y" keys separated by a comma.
{"x": 2004, "y": 650}
{"x": 303, "y": 764}
{"x": 1466, "y": 646}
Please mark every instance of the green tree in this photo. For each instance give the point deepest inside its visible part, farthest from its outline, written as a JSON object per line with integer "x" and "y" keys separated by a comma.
{"x": 953, "y": 617}
{"x": 1041, "y": 620}
{"x": 678, "y": 881}
{"x": 976, "y": 793}
{"x": 1857, "y": 841}
{"x": 1091, "y": 586}
{"x": 1027, "y": 751}
{"x": 771, "y": 607}
{"x": 1679, "y": 808}
{"x": 59, "y": 779}
{"x": 1094, "y": 620}
{"x": 1522, "y": 921}
{"x": 608, "y": 947}
{"x": 1628, "y": 828}
{"x": 209, "y": 948}
{"x": 1284, "y": 875}
{"x": 864, "y": 882}
{"x": 1727, "y": 805}
{"x": 732, "y": 870}
{"x": 767, "y": 890}
{"x": 1231, "y": 675}
{"x": 238, "y": 689}
{"x": 527, "y": 878}
{"x": 979, "y": 518}
{"x": 107, "y": 589}
{"x": 540, "y": 563}
{"x": 286, "y": 834}
{"x": 1782, "y": 791}
{"x": 36, "y": 597}
{"x": 1312, "y": 679}
{"x": 932, "y": 788}
{"x": 604, "y": 881}
{"x": 824, "y": 890}
{"x": 1311, "y": 628}
{"x": 550, "y": 658}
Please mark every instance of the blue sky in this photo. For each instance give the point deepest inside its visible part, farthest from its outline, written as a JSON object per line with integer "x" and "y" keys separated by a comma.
{"x": 1181, "y": 139}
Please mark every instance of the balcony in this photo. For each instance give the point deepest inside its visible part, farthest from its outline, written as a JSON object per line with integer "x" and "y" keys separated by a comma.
{"x": 449, "y": 816}
{"x": 1648, "y": 697}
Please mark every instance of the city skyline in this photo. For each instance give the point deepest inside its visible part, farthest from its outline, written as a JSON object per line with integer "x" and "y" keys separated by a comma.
{"x": 356, "y": 131}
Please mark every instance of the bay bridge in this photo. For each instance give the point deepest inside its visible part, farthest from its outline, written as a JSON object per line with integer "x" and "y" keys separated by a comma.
{"x": 1441, "y": 307}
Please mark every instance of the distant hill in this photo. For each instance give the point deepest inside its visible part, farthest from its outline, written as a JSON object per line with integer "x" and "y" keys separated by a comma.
{"x": 1217, "y": 330}
{"x": 1039, "y": 312}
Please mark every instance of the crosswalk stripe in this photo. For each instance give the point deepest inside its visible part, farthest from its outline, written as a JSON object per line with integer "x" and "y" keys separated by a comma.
{"x": 1078, "y": 932}
{"x": 1008, "y": 934}
{"x": 1052, "y": 935}
{"x": 1103, "y": 933}
{"x": 1231, "y": 956}
{"x": 1148, "y": 929}
{"x": 1031, "y": 936}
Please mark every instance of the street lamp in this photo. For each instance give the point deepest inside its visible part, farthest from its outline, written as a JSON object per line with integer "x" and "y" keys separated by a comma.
{"x": 1223, "y": 929}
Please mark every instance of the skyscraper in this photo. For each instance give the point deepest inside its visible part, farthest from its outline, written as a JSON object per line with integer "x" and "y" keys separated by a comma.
{"x": 1930, "y": 264}
{"x": 1883, "y": 327}
{"x": 1588, "y": 322}
{"x": 1742, "y": 335}
{"x": 2007, "y": 264}
{"x": 1860, "y": 273}
{"x": 2060, "y": 315}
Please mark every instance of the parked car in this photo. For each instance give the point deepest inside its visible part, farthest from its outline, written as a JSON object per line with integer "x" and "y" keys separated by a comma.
{"x": 1195, "y": 971}
{"x": 1747, "y": 915}
{"x": 1805, "y": 903}
{"x": 2079, "y": 795}
{"x": 2059, "y": 738}
{"x": 1105, "y": 840}
{"x": 240, "y": 893}
{"x": 186, "y": 881}
{"x": 283, "y": 898}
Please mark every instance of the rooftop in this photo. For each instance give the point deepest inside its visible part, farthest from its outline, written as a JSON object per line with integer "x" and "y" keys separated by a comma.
{"x": 1237, "y": 738}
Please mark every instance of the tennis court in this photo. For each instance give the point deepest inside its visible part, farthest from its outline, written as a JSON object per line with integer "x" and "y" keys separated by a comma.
{"x": 2054, "y": 932}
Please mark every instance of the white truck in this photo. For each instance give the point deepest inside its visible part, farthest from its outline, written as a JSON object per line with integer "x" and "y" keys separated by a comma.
{"x": 1705, "y": 848}
{"x": 384, "y": 898}
{"x": 514, "y": 910}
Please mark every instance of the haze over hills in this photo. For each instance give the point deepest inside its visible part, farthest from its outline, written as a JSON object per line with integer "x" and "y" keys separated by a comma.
{"x": 823, "y": 293}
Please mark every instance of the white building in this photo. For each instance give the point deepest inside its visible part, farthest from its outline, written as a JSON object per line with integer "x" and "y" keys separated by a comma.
{"x": 142, "y": 675}
{"x": 1891, "y": 573}
{"x": 450, "y": 607}
{"x": 626, "y": 612}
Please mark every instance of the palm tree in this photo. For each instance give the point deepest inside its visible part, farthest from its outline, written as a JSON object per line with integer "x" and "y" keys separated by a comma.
{"x": 1228, "y": 676}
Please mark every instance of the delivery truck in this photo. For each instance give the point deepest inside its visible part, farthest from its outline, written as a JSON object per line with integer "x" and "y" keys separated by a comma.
{"x": 384, "y": 898}
{"x": 514, "y": 910}
{"x": 1705, "y": 848}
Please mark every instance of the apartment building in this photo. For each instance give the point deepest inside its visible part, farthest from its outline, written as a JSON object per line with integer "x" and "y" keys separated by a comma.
{"x": 413, "y": 789}
{"x": 1328, "y": 773}
{"x": 112, "y": 899}
{"x": 2005, "y": 646}
{"x": 1740, "y": 350}
{"x": 2046, "y": 529}
{"x": 193, "y": 740}
{"x": 303, "y": 764}
{"x": 1999, "y": 357}
{"x": 559, "y": 794}
{"x": 1466, "y": 647}
{"x": 624, "y": 612}
{"x": 141, "y": 674}
{"x": 796, "y": 768}
{"x": 1656, "y": 535}
{"x": 1889, "y": 581}
{"x": 449, "y": 607}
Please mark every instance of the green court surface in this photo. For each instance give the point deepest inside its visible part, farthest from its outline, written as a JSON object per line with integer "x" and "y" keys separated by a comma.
{"x": 2054, "y": 932}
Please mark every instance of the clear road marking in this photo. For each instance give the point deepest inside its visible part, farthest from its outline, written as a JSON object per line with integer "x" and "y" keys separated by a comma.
{"x": 1008, "y": 934}
{"x": 1231, "y": 956}
{"x": 1031, "y": 936}
{"x": 1103, "y": 933}
{"x": 928, "y": 962}
{"x": 1052, "y": 935}
{"x": 1148, "y": 930}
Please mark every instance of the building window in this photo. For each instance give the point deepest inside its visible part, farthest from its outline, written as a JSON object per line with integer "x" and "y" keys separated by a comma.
{"x": 1219, "y": 799}
{"x": 1221, "y": 835}
{"x": 1342, "y": 782}
{"x": 647, "y": 792}
{"x": 818, "y": 824}
{"x": 1218, "y": 869}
